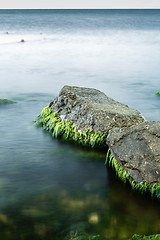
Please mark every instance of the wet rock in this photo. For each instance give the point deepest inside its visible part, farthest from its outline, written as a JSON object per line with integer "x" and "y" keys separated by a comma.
{"x": 60, "y": 104}
{"x": 78, "y": 104}
{"x": 70, "y": 107}
{"x": 55, "y": 100}
{"x": 5, "y": 101}
{"x": 82, "y": 236}
{"x": 74, "y": 117}
{"x": 65, "y": 101}
{"x": 60, "y": 99}
{"x": 137, "y": 149}
{"x": 81, "y": 121}
{"x": 51, "y": 103}
{"x": 63, "y": 117}
{"x": 92, "y": 122}
{"x": 106, "y": 113}
{"x": 59, "y": 110}
{"x": 64, "y": 111}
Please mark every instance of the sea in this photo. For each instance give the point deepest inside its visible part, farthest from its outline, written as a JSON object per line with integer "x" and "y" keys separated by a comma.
{"x": 50, "y": 189}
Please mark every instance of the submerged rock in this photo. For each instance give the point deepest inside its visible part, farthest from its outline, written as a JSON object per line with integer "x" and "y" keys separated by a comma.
{"x": 5, "y": 101}
{"x": 90, "y": 109}
{"x": 83, "y": 236}
{"x": 137, "y": 150}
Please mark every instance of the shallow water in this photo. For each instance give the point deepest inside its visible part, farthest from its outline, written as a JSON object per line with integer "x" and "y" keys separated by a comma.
{"x": 50, "y": 188}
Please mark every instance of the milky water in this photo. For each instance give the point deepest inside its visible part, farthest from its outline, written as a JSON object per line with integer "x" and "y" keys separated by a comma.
{"x": 50, "y": 188}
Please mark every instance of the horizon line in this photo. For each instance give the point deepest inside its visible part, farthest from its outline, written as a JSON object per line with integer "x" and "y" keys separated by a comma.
{"x": 79, "y": 8}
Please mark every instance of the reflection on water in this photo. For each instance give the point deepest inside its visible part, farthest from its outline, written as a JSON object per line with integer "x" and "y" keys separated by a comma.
{"x": 49, "y": 188}
{"x": 56, "y": 213}
{"x": 59, "y": 212}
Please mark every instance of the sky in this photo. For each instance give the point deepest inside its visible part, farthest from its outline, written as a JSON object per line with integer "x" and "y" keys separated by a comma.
{"x": 80, "y": 4}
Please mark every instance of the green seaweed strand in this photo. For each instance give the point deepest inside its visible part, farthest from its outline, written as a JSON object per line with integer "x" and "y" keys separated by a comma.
{"x": 154, "y": 189}
{"x": 51, "y": 122}
{"x": 140, "y": 237}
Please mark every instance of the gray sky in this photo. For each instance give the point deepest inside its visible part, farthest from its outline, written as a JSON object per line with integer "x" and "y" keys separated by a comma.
{"x": 71, "y": 4}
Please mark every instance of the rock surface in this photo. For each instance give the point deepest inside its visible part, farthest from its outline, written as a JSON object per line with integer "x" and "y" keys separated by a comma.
{"x": 137, "y": 149}
{"x": 91, "y": 109}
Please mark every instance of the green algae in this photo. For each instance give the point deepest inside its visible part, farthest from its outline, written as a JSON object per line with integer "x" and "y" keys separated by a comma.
{"x": 65, "y": 130}
{"x": 157, "y": 93}
{"x": 153, "y": 188}
{"x": 140, "y": 237}
{"x": 5, "y": 101}
{"x": 83, "y": 236}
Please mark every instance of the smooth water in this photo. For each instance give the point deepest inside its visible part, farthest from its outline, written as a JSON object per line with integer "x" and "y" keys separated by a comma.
{"x": 49, "y": 188}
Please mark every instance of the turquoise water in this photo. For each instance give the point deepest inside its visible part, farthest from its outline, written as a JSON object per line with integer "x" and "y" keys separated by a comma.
{"x": 49, "y": 188}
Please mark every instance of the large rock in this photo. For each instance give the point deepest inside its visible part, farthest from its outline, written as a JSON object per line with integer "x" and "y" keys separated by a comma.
{"x": 137, "y": 149}
{"x": 91, "y": 109}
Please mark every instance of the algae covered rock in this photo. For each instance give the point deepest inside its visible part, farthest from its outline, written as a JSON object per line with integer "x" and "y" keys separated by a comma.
{"x": 6, "y": 101}
{"x": 85, "y": 115}
{"x": 67, "y": 131}
{"x": 83, "y": 236}
{"x": 88, "y": 108}
{"x": 136, "y": 150}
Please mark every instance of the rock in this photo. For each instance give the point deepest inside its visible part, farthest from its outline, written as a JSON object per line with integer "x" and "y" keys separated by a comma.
{"x": 60, "y": 104}
{"x": 60, "y": 99}
{"x": 51, "y": 103}
{"x": 63, "y": 117}
{"x": 87, "y": 116}
{"x": 6, "y": 101}
{"x": 83, "y": 236}
{"x": 73, "y": 117}
{"x": 64, "y": 111}
{"x": 137, "y": 149}
{"x": 59, "y": 110}
{"x": 55, "y": 100}
{"x": 106, "y": 113}
{"x": 92, "y": 122}
{"x": 65, "y": 101}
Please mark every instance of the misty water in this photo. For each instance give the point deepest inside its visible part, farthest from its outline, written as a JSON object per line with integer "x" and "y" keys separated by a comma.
{"x": 49, "y": 188}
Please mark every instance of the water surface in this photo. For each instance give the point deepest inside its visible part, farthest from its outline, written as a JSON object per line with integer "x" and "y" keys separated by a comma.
{"x": 49, "y": 188}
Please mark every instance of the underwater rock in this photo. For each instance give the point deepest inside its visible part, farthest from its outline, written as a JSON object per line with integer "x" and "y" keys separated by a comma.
{"x": 92, "y": 109}
{"x": 137, "y": 150}
{"x": 83, "y": 236}
{"x": 6, "y": 101}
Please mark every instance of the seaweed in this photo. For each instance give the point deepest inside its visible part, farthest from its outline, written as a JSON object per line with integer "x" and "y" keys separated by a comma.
{"x": 83, "y": 236}
{"x": 65, "y": 130}
{"x": 153, "y": 188}
{"x": 6, "y": 101}
{"x": 141, "y": 237}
